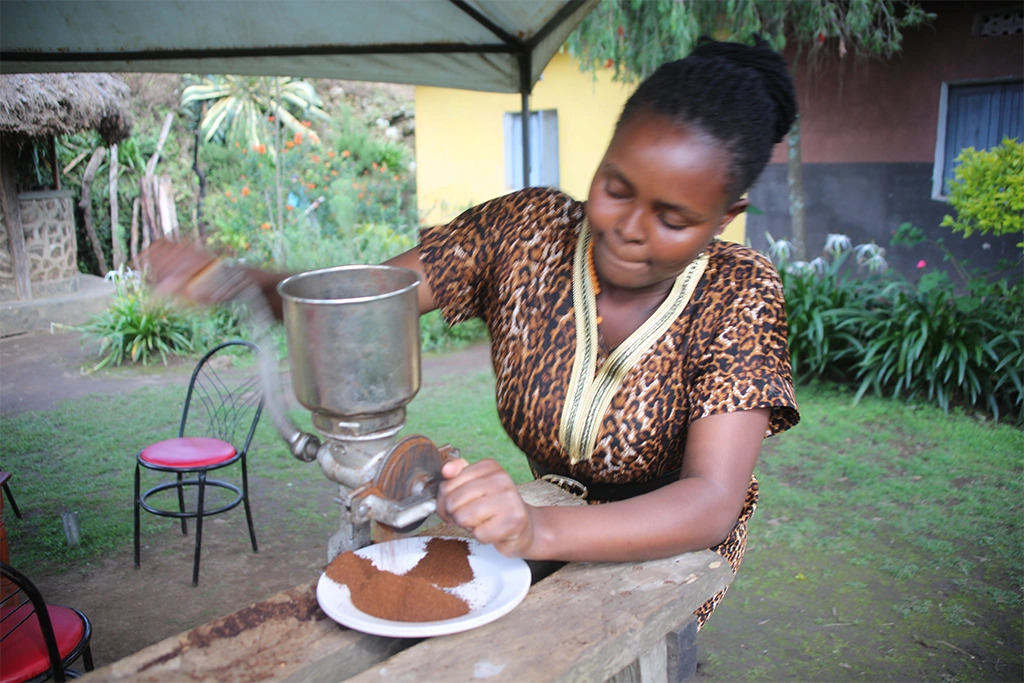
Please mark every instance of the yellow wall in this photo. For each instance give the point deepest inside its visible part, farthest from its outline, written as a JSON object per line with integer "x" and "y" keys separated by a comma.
{"x": 460, "y": 138}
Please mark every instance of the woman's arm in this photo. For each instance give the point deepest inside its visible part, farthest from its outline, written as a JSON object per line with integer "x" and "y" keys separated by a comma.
{"x": 411, "y": 260}
{"x": 696, "y": 512}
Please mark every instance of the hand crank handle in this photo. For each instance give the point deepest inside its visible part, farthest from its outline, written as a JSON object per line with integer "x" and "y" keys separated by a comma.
{"x": 224, "y": 283}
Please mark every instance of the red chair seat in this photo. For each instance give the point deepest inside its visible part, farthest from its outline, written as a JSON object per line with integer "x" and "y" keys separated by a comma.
{"x": 23, "y": 655}
{"x": 188, "y": 452}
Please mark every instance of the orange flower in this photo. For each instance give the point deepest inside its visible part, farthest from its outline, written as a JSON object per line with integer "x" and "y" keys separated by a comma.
{"x": 234, "y": 200}
{"x": 315, "y": 158}
{"x": 307, "y": 124}
{"x": 264, "y": 226}
{"x": 355, "y": 186}
{"x": 245, "y": 191}
{"x": 360, "y": 195}
{"x": 327, "y": 164}
{"x": 236, "y": 144}
{"x": 289, "y": 144}
{"x": 330, "y": 154}
{"x": 311, "y": 186}
{"x": 243, "y": 176}
{"x": 270, "y": 118}
{"x": 262, "y": 149}
{"x": 374, "y": 164}
{"x": 383, "y": 168}
{"x": 395, "y": 178}
{"x": 227, "y": 193}
{"x": 289, "y": 207}
{"x": 298, "y": 138}
{"x": 334, "y": 173}
{"x": 245, "y": 150}
{"x": 346, "y": 153}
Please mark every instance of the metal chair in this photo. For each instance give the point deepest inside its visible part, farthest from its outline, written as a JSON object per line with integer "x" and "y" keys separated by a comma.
{"x": 38, "y": 641}
{"x": 218, "y": 406}
{"x": 4, "y": 477}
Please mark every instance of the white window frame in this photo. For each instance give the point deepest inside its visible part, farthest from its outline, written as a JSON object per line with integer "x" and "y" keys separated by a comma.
{"x": 545, "y": 157}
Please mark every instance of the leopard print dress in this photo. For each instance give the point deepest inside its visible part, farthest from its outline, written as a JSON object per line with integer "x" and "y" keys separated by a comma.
{"x": 510, "y": 262}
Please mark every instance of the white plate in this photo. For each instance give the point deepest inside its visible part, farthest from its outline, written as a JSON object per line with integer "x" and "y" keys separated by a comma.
{"x": 499, "y": 584}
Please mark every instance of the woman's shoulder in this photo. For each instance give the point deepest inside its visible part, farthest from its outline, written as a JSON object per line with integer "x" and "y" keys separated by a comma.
{"x": 540, "y": 202}
{"x": 737, "y": 261}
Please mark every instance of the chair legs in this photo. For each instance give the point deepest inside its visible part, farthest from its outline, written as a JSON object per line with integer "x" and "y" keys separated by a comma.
{"x": 202, "y": 483}
{"x": 199, "y": 527}
{"x": 10, "y": 498}
{"x": 138, "y": 502}
{"x": 245, "y": 502}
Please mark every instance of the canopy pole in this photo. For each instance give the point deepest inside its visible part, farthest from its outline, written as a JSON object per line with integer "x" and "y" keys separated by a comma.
{"x": 526, "y": 139}
{"x": 524, "y": 90}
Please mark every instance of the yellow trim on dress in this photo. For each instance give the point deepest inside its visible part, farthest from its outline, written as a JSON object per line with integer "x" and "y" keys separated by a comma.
{"x": 590, "y": 390}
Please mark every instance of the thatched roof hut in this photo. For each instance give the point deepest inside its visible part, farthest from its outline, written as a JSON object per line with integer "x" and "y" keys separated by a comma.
{"x": 42, "y": 105}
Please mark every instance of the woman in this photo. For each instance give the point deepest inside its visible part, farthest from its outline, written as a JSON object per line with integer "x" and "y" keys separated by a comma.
{"x": 634, "y": 353}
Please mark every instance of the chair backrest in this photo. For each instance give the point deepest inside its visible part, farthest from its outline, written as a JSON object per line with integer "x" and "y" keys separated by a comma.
{"x": 225, "y": 398}
{"x": 18, "y": 607}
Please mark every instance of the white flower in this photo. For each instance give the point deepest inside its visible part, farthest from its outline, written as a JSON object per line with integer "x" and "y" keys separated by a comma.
{"x": 836, "y": 244}
{"x": 873, "y": 257}
{"x": 780, "y": 249}
{"x": 818, "y": 265}
{"x": 798, "y": 266}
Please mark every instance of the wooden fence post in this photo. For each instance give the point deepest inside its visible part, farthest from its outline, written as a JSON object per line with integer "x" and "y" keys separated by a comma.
{"x": 85, "y": 201}
{"x": 12, "y": 219}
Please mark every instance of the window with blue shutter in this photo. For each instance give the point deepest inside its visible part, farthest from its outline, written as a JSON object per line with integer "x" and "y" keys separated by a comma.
{"x": 979, "y": 116}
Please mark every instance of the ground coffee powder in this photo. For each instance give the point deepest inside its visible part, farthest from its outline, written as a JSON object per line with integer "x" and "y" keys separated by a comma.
{"x": 413, "y": 596}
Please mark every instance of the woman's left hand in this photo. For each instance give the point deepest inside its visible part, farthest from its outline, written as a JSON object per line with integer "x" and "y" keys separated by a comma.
{"x": 483, "y": 499}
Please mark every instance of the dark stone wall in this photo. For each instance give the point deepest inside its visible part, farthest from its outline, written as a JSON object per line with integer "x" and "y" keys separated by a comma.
{"x": 868, "y": 201}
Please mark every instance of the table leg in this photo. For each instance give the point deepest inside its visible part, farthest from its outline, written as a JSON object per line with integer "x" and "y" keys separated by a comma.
{"x": 672, "y": 659}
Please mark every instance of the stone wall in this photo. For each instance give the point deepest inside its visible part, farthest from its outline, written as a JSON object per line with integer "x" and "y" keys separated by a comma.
{"x": 48, "y": 220}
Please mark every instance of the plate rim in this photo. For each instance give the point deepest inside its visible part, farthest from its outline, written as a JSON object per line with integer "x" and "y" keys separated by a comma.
{"x": 515, "y": 586}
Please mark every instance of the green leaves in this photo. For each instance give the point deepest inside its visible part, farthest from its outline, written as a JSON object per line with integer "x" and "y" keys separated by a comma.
{"x": 239, "y": 107}
{"x": 636, "y": 36}
{"x": 988, "y": 191}
{"x": 139, "y": 328}
{"x": 929, "y": 341}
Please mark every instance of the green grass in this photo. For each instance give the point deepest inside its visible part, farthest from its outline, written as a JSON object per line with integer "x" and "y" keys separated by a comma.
{"x": 886, "y": 545}
{"x": 81, "y": 457}
{"x": 887, "y": 542}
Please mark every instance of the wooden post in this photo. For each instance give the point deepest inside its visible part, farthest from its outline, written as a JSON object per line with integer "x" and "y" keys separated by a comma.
{"x": 116, "y": 234}
{"x": 168, "y": 214}
{"x": 148, "y": 188}
{"x": 135, "y": 228}
{"x": 85, "y": 202}
{"x": 54, "y": 167}
{"x": 12, "y": 219}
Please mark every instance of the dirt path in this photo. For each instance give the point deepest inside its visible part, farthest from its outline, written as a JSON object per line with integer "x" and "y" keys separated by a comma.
{"x": 131, "y": 608}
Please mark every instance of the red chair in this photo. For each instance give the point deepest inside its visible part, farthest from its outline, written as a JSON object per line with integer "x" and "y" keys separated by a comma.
{"x": 4, "y": 477}
{"x": 39, "y": 641}
{"x": 218, "y": 406}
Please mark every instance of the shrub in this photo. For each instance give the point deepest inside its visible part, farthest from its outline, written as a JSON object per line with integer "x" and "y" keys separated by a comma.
{"x": 139, "y": 327}
{"x": 879, "y": 332}
{"x": 988, "y": 191}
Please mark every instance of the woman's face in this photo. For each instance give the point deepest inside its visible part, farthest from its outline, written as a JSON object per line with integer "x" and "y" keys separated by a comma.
{"x": 657, "y": 200}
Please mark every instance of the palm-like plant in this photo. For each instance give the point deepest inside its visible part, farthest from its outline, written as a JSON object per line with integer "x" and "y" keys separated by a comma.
{"x": 240, "y": 106}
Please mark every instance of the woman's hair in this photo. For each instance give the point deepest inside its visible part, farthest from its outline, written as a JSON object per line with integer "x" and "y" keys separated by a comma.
{"x": 740, "y": 95}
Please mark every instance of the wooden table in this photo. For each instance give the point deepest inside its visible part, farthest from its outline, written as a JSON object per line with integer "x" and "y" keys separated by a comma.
{"x": 581, "y": 622}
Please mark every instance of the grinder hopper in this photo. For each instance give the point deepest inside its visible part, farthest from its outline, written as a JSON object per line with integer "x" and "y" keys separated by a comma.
{"x": 354, "y": 350}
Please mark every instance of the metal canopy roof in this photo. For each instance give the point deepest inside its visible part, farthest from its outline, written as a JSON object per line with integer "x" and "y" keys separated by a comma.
{"x": 491, "y": 45}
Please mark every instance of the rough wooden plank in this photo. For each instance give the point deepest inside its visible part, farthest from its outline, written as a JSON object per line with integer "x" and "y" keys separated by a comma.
{"x": 271, "y": 640}
{"x": 586, "y": 622}
{"x": 85, "y": 202}
{"x": 12, "y": 221}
